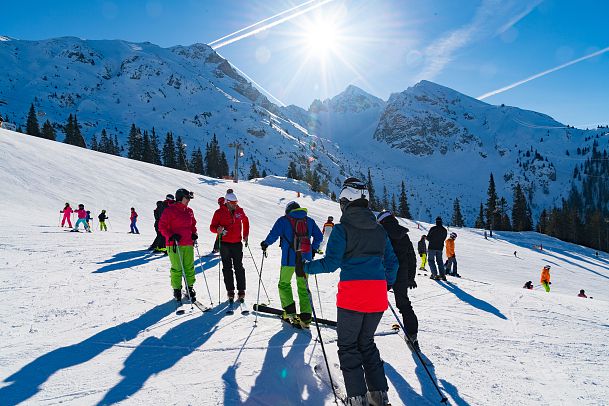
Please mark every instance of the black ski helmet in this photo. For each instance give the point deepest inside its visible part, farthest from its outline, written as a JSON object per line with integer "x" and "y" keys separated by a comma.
{"x": 169, "y": 197}
{"x": 81, "y": 206}
{"x": 291, "y": 206}
{"x": 330, "y": 218}
{"x": 182, "y": 193}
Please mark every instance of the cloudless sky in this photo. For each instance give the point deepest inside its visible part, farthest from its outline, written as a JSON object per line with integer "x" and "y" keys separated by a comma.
{"x": 382, "y": 46}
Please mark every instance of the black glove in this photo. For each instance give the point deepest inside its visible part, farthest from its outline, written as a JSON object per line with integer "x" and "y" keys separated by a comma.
{"x": 175, "y": 238}
{"x": 389, "y": 287}
{"x": 264, "y": 246}
{"x": 549, "y": 283}
{"x": 411, "y": 284}
{"x": 246, "y": 242}
{"x": 194, "y": 236}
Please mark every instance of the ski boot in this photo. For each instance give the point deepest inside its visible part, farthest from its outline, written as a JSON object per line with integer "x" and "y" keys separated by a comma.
{"x": 442, "y": 278}
{"x": 413, "y": 343}
{"x": 231, "y": 295}
{"x": 378, "y": 398}
{"x": 456, "y": 275}
{"x": 177, "y": 294}
{"x": 434, "y": 277}
{"x": 361, "y": 400}
{"x": 293, "y": 319}
{"x": 305, "y": 320}
{"x": 241, "y": 296}
{"x": 193, "y": 294}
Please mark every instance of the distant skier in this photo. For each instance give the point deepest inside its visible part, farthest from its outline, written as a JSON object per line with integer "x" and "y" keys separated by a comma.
{"x": 178, "y": 225}
{"x": 436, "y": 237}
{"x": 102, "y": 221}
{"x": 82, "y": 218}
{"x": 451, "y": 260}
{"x": 545, "y": 278}
{"x": 229, "y": 222}
{"x": 515, "y": 254}
{"x": 485, "y": 235}
{"x": 217, "y": 240}
{"x": 88, "y": 218}
{"x": 402, "y": 246}
{"x": 133, "y": 219}
{"x": 422, "y": 249}
{"x": 582, "y": 293}
{"x": 326, "y": 231}
{"x": 294, "y": 230}
{"x": 528, "y": 285}
{"x": 67, "y": 213}
{"x": 361, "y": 249}
{"x": 159, "y": 242}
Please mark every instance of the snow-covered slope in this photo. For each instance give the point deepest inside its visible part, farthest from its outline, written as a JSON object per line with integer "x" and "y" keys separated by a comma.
{"x": 87, "y": 318}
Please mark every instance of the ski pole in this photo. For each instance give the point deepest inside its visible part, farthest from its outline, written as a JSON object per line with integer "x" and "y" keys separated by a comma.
{"x": 321, "y": 309}
{"x": 444, "y": 399}
{"x": 259, "y": 280}
{"x": 259, "y": 274}
{"x": 321, "y": 341}
{"x": 60, "y": 219}
{"x": 177, "y": 246}
{"x": 219, "y": 265}
{"x": 109, "y": 225}
{"x": 203, "y": 272}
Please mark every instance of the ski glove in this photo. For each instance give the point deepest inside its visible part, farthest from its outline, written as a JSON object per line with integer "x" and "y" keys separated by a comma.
{"x": 411, "y": 284}
{"x": 222, "y": 231}
{"x": 264, "y": 246}
{"x": 175, "y": 237}
{"x": 194, "y": 236}
{"x": 246, "y": 243}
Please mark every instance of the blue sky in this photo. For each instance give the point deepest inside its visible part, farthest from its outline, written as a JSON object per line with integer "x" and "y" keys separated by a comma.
{"x": 383, "y": 46}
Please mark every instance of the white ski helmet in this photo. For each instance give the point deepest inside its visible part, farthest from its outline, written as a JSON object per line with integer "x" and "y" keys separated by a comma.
{"x": 353, "y": 189}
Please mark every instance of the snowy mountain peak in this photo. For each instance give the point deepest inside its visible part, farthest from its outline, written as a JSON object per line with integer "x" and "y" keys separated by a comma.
{"x": 5, "y": 38}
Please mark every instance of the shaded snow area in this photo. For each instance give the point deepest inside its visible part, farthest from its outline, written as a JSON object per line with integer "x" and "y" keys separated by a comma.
{"x": 88, "y": 318}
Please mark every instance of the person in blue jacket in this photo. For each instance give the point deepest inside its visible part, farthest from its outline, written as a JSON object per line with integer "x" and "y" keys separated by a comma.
{"x": 360, "y": 247}
{"x": 293, "y": 255}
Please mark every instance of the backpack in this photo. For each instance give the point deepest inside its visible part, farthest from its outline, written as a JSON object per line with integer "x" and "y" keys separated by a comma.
{"x": 301, "y": 241}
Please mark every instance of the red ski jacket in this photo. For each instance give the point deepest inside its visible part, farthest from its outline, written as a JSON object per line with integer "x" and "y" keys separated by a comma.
{"x": 232, "y": 222}
{"x": 178, "y": 219}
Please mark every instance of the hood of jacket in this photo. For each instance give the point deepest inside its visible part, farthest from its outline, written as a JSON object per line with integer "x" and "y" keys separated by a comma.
{"x": 394, "y": 230}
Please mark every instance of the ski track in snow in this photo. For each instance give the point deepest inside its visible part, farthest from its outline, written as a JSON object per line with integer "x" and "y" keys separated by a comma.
{"x": 88, "y": 318}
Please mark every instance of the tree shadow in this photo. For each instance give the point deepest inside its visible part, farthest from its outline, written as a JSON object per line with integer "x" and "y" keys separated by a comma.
{"x": 472, "y": 300}
{"x": 283, "y": 380}
{"x": 211, "y": 181}
{"x": 127, "y": 259}
{"x": 26, "y": 382}
{"x": 155, "y": 355}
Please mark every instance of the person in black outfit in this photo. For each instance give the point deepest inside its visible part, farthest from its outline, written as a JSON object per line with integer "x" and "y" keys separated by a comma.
{"x": 436, "y": 237}
{"x": 402, "y": 246}
{"x": 159, "y": 242}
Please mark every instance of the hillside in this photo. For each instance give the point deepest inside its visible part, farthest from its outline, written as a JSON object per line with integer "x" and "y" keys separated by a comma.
{"x": 87, "y": 318}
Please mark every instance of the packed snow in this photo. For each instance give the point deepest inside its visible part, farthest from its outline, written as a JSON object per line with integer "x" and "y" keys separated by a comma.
{"x": 89, "y": 319}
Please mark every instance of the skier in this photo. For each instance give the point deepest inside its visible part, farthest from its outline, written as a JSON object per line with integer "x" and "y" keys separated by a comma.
{"x": 159, "y": 242}
{"x": 295, "y": 230}
{"x": 133, "y": 219}
{"x": 451, "y": 260}
{"x": 361, "y": 249}
{"x": 326, "y": 231}
{"x": 88, "y": 219}
{"x": 545, "y": 278}
{"x": 582, "y": 293}
{"x": 102, "y": 221}
{"x": 67, "y": 213}
{"x": 422, "y": 248}
{"x": 217, "y": 240}
{"x": 516, "y": 254}
{"x": 229, "y": 222}
{"x": 528, "y": 285}
{"x": 436, "y": 237}
{"x": 402, "y": 246}
{"x": 178, "y": 225}
{"x": 82, "y": 218}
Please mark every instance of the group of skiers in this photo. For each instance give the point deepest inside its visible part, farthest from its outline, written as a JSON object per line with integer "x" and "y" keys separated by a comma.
{"x": 545, "y": 282}
{"x": 84, "y": 218}
{"x": 433, "y": 253}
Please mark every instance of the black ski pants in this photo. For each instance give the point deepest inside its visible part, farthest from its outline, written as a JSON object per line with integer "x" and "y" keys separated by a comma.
{"x": 360, "y": 360}
{"x": 232, "y": 257}
{"x": 400, "y": 289}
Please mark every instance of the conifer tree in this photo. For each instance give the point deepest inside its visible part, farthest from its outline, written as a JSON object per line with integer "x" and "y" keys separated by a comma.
{"x": 521, "y": 214}
{"x": 394, "y": 204}
{"x": 31, "y": 126}
{"x": 48, "y": 131}
{"x": 94, "y": 145}
{"x": 253, "y": 171}
{"x": 181, "y": 160}
{"x": 135, "y": 144}
{"x": 264, "y": 174}
{"x": 196, "y": 161}
{"x": 371, "y": 193}
{"x": 146, "y": 150}
{"x": 105, "y": 144}
{"x": 169, "y": 151}
{"x": 480, "y": 219}
{"x": 79, "y": 140}
{"x": 154, "y": 148}
{"x": 68, "y": 130}
{"x": 385, "y": 201}
{"x": 292, "y": 171}
{"x": 116, "y": 147}
{"x": 503, "y": 215}
{"x": 403, "y": 207}
{"x": 457, "y": 219}
{"x": 493, "y": 218}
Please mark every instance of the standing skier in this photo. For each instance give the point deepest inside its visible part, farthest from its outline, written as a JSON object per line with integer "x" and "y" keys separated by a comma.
{"x": 102, "y": 221}
{"x": 178, "y": 225}
{"x": 436, "y": 237}
{"x": 451, "y": 260}
{"x": 217, "y": 240}
{"x": 545, "y": 278}
{"x": 133, "y": 219}
{"x": 359, "y": 246}
{"x": 82, "y": 218}
{"x": 402, "y": 246}
{"x": 88, "y": 218}
{"x": 295, "y": 230}
{"x": 422, "y": 249}
{"x": 229, "y": 222}
{"x": 326, "y": 231}
{"x": 159, "y": 242}
{"x": 67, "y": 213}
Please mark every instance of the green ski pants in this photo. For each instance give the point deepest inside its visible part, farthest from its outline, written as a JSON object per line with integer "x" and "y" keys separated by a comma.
{"x": 102, "y": 226}
{"x": 423, "y": 261}
{"x": 546, "y": 286}
{"x": 285, "y": 292}
{"x": 188, "y": 259}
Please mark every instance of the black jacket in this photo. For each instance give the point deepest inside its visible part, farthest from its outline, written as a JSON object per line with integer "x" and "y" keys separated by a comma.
{"x": 102, "y": 217}
{"x": 436, "y": 237}
{"x": 422, "y": 247}
{"x": 402, "y": 246}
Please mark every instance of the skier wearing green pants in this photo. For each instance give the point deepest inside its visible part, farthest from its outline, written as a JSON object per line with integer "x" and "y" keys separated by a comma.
{"x": 179, "y": 227}
{"x": 295, "y": 230}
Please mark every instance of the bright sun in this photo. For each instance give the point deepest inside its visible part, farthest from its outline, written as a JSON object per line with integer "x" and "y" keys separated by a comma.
{"x": 321, "y": 37}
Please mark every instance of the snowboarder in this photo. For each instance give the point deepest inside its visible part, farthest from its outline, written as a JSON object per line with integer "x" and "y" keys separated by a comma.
{"x": 402, "y": 246}
{"x": 229, "y": 222}
{"x": 451, "y": 258}
{"x": 159, "y": 242}
{"x": 528, "y": 285}
{"x": 179, "y": 227}
{"x": 545, "y": 278}
{"x": 361, "y": 249}
{"x": 82, "y": 218}
{"x": 133, "y": 219}
{"x": 102, "y": 221}
{"x": 67, "y": 213}
{"x": 582, "y": 293}
{"x": 422, "y": 249}
{"x": 295, "y": 230}
{"x": 436, "y": 237}
{"x": 217, "y": 240}
{"x": 326, "y": 231}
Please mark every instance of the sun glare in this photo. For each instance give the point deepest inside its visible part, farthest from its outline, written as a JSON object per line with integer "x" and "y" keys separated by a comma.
{"x": 321, "y": 37}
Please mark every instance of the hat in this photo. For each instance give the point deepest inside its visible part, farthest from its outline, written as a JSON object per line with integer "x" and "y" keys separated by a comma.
{"x": 182, "y": 193}
{"x": 330, "y": 218}
{"x": 439, "y": 221}
{"x": 230, "y": 196}
{"x": 383, "y": 215}
{"x": 169, "y": 197}
{"x": 547, "y": 267}
{"x": 291, "y": 206}
{"x": 221, "y": 200}
{"x": 453, "y": 235}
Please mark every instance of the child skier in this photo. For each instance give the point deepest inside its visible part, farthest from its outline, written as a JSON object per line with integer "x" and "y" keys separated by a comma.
{"x": 528, "y": 285}
{"x": 88, "y": 218}
{"x": 82, "y": 218}
{"x": 359, "y": 246}
{"x": 545, "y": 278}
{"x": 102, "y": 221}
{"x": 451, "y": 260}
{"x": 422, "y": 249}
{"x": 295, "y": 230}
{"x": 67, "y": 213}
{"x": 133, "y": 219}
{"x": 229, "y": 222}
{"x": 582, "y": 293}
{"x": 326, "y": 231}
{"x": 178, "y": 225}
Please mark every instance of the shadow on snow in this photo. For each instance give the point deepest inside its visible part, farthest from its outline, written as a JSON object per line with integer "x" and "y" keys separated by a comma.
{"x": 472, "y": 300}
{"x": 127, "y": 259}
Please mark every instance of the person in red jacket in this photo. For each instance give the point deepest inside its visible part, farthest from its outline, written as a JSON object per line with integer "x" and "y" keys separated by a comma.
{"x": 179, "y": 227}
{"x": 230, "y": 223}
{"x": 133, "y": 219}
{"x": 67, "y": 213}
